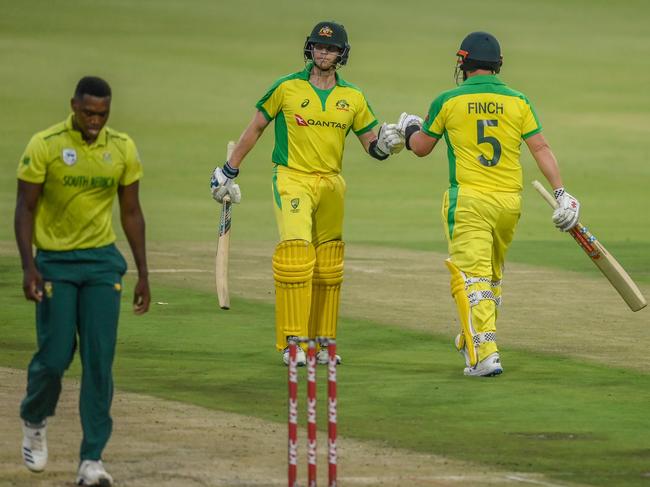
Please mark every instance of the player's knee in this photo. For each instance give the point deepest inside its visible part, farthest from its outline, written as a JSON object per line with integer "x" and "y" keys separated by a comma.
{"x": 329, "y": 263}
{"x": 293, "y": 262}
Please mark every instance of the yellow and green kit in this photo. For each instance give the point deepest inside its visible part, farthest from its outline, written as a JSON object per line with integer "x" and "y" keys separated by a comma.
{"x": 311, "y": 126}
{"x": 483, "y": 122}
{"x": 81, "y": 268}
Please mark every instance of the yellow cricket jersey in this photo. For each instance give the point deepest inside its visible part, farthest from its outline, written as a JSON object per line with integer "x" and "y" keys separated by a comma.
{"x": 483, "y": 122}
{"x": 311, "y": 124}
{"x": 79, "y": 184}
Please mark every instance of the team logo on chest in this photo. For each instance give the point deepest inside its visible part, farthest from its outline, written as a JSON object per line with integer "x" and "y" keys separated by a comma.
{"x": 107, "y": 157}
{"x": 69, "y": 156}
{"x": 342, "y": 105}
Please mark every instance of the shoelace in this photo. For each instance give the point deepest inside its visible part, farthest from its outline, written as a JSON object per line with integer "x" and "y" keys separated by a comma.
{"x": 36, "y": 441}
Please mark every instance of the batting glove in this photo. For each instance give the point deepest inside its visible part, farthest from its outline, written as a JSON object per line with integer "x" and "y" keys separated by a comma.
{"x": 566, "y": 215}
{"x": 389, "y": 140}
{"x": 222, "y": 184}
{"x": 406, "y": 120}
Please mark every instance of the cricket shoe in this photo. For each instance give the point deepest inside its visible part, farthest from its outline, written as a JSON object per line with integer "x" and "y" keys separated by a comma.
{"x": 92, "y": 472}
{"x": 301, "y": 359}
{"x": 488, "y": 367}
{"x": 34, "y": 446}
{"x": 323, "y": 356}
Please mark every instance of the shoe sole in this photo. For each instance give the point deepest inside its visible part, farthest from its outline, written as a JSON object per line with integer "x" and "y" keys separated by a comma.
{"x": 102, "y": 483}
{"x": 494, "y": 373}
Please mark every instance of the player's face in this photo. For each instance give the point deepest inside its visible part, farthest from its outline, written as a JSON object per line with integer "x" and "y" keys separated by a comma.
{"x": 90, "y": 115}
{"x": 325, "y": 56}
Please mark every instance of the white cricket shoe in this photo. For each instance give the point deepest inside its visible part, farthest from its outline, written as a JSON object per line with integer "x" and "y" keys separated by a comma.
{"x": 92, "y": 472}
{"x": 301, "y": 358}
{"x": 323, "y": 357}
{"x": 35, "y": 446}
{"x": 488, "y": 367}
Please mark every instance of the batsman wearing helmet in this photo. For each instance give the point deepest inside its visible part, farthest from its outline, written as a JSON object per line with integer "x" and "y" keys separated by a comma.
{"x": 483, "y": 122}
{"x": 314, "y": 110}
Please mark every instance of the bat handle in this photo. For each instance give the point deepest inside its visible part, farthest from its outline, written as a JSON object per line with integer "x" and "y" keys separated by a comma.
{"x": 545, "y": 194}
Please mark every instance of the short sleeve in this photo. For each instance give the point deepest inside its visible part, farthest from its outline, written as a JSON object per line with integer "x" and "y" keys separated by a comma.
{"x": 364, "y": 119}
{"x": 434, "y": 123}
{"x": 271, "y": 103}
{"x": 530, "y": 125}
{"x": 133, "y": 165}
{"x": 32, "y": 166}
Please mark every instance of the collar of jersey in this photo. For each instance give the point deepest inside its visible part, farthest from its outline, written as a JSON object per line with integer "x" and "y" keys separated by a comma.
{"x": 101, "y": 140}
{"x": 480, "y": 79}
{"x": 307, "y": 71}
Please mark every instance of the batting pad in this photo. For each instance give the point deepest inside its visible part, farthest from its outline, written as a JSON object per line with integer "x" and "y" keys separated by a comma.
{"x": 476, "y": 303}
{"x": 293, "y": 269}
{"x": 326, "y": 289}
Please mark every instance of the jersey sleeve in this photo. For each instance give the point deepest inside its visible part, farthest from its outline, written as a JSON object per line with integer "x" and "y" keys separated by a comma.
{"x": 271, "y": 103}
{"x": 434, "y": 123}
{"x": 364, "y": 119}
{"x": 32, "y": 166}
{"x": 530, "y": 125}
{"x": 133, "y": 165}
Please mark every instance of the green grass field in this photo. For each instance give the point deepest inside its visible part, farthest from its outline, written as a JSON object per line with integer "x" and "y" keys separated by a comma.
{"x": 186, "y": 76}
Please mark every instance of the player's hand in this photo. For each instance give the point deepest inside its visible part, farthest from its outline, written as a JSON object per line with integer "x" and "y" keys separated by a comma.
{"x": 222, "y": 184}
{"x": 406, "y": 120}
{"x": 141, "y": 296}
{"x": 389, "y": 140}
{"x": 566, "y": 215}
{"x": 33, "y": 285}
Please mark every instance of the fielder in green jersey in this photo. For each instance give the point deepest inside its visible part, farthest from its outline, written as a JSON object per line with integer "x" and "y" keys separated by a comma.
{"x": 483, "y": 122}
{"x": 68, "y": 178}
{"x": 314, "y": 110}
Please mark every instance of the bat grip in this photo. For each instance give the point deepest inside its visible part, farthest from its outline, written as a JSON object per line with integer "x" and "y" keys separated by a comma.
{"x": 545, "y": 194}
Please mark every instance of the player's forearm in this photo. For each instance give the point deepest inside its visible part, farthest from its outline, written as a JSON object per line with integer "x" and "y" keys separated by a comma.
{"x": 24, "y": 229}
{"x": 134, "y": 229}
{"x": 421, "y": 144}
{"x": 248, "y": 140}
{"x": 27, "y": 196}
{"x": 545, "y": 160}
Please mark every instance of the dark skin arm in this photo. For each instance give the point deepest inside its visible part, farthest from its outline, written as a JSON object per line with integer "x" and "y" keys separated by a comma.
{"x": 134, "y": 229}
{"x": 26, "y": 199}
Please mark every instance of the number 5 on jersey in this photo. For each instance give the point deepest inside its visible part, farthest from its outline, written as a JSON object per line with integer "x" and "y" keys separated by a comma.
{"x": 481, "y": 138}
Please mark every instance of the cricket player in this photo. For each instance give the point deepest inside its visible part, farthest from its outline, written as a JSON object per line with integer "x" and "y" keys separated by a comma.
{"x": 313, "y": 109}
{"x": 68, "y": 177}
{"x": 483, "y": 122}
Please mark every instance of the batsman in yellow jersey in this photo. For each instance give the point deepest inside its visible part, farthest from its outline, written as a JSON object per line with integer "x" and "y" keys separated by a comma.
{"x": 314, "y": 110}
{"x": 483, "y": 122}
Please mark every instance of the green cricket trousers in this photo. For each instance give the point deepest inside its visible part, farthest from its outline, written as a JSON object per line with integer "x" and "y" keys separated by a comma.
{"x": 81, "y": 300}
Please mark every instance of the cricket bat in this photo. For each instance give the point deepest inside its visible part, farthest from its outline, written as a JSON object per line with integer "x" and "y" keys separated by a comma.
{"x": 223, "y": 246}
{"x": 599, "y": 255}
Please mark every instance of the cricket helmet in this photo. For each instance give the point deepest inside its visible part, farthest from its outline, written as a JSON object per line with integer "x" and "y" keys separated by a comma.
{"x": 328, "y": 33}
{"x": 480, "y": 50}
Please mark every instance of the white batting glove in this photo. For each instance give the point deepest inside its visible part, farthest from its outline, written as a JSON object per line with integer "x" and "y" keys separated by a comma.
{"x": 222, "y": 186}
{"x": 566, "y": 215}
{"x": 389, "y": 140}
{"x": 406, "y": 120}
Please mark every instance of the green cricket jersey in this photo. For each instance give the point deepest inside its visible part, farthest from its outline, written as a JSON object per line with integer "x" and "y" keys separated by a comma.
{"x": 483, "y": 122}
{"x": 311, "y": 124}
{"x": 79, "y": 184}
